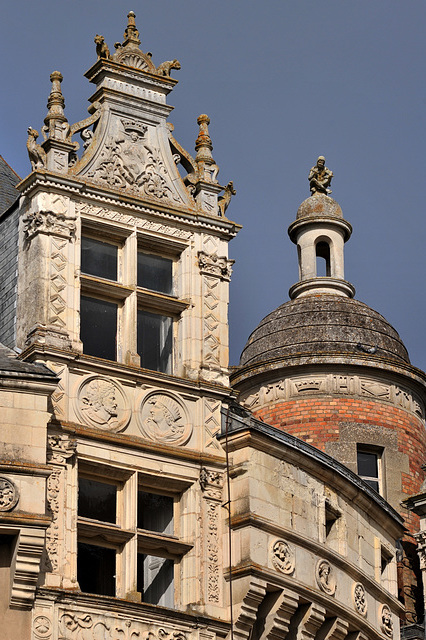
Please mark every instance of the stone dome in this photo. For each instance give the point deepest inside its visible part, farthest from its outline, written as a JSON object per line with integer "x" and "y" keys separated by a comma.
{"x": 323, "y": 324}
{"x": 319, "y": 205}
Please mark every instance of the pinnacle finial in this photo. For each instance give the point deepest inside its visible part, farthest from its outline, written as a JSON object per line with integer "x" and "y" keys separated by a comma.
{"x": 203, "y": 146}
{"x": 131, "y": 33}
{"x": 320, "y": 178}
{"x": 55, "y": 119}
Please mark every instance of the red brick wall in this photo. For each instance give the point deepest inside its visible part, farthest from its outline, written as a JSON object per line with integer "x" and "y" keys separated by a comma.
{"x": 316, "y": 420}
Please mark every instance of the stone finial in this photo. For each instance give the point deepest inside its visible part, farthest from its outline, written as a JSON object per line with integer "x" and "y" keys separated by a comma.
{"x": 320, "y": 178}
{"x": 131, "y": 34}
{"x": 55, "y": 123}
{"x": 207, "y": 167}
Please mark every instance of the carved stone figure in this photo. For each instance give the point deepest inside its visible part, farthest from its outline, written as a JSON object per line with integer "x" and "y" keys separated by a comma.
{"x": 102, "y": 50}
{"x": 386, "y": 623}
{"x": 320, "y": 178}
{"x": 101, "y": 403}
{"x": 325, "y": 577}
{"x": 359, "y": 599}
{"x": 36, "y": 153}
{"x": 165, "y": 67}
{"x": 283, "y": 557}
{"x": 162, "y": 420}
{"x": 225, "y": 199}
{"x": 9, "y": 494}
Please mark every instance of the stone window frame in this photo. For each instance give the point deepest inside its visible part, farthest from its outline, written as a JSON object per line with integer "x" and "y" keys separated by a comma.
{"x": 124, "y": 536}
{"x": 127, "y": 295}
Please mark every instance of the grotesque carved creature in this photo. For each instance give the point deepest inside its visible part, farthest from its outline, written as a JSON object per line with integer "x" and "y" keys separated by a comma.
{"x": 165, "y": 67}
{"x": 101, "y": 47}
{"x": 320, "y": 178}
{"x": 36, "y": 153}
{"x": 225, "y": 199}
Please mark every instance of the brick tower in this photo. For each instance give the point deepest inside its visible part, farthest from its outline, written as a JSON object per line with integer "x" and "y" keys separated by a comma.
{"x": 333, "y": 372}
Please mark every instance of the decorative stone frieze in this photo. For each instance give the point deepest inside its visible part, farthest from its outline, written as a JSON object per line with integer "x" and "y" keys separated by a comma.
{"x": 212, "y": 422}
{"x": 214, "y": 265}
{"x": 325, "y": 577}
{"x": 163, "y": 418}
{"x": 359, "y": 598}
{"x": 291, "y": 388}
{"x": 9, "y": 494}
{"x": 102, "y": 403}
{"x": 76, "y": 625}
{"x": 385, "y": 620}
{"x": 283, "y": 557}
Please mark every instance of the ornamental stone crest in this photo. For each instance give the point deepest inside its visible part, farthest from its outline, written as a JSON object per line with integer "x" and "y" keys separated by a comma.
{"x": 325, "y": 577}
{"x": 283, "y": 557}
{"x": 385, "y": 620}
{"x": 128, "y": 161}
{"x": 163, "y": 419}
{"x": 101, "y": 403}
{"x": 359, "y": 598}
{"x": 9, "y": 494}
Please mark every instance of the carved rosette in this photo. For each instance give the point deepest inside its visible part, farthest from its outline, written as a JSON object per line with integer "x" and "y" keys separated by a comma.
{"x": 42, "y": 627}
{"x": 213, "y": 265}
{"x": 283, "y": 557}
{"x": 101, "y": 403}
{"x": 359, "y": 598}
{"x": 325, "y": 577}
{"x": 385, "y": 620}
{"x": 211, "y": 482}
{"x": 163, "y": 418}
{"x": 9, "y": 494}
{"x": 291, "y": 388}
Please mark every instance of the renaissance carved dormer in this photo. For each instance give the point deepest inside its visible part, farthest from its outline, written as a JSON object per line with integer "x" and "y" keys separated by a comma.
{"x": 320, "y": 232}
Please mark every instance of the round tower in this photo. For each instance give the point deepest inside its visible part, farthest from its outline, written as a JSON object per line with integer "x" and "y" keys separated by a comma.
{"x": 333, "y": 372}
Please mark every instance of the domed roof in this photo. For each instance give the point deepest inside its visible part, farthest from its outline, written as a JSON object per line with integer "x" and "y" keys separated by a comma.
{"x": 319, "y": 205}
{"x": 323, "y": 324}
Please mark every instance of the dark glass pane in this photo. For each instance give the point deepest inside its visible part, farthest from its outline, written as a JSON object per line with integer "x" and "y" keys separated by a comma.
{"x": 155, "y": 341}
{"x": 367, "y": 464}
{"x": 98, "y": 258}
{"x": 96, "y": 569}
{"x": 155, "y": 580}
{"x": 155, "y": 512}
{"x": 373, "y": 484}
{"x": 97, "y": 500}
{"x": 98, "y": 327}
{"x": 155, "y": 273}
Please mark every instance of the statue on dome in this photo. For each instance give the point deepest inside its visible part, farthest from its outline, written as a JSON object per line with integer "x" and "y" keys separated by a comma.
{"x": 320, "y": 178}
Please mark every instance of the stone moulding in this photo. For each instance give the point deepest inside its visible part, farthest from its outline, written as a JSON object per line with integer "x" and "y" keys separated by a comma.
{"x": 329, "y": 384}
{"x": 25, "y": 566}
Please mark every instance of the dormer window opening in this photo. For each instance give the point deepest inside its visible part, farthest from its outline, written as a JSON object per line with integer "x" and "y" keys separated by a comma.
{"x": 322, "y": 251}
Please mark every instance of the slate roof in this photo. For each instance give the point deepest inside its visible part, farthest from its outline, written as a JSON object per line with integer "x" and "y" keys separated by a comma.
{"x": 8, "y": 181}
{"x": 11, "y": 366}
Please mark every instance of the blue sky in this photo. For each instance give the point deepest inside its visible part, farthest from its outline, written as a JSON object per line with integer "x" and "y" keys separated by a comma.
{"x": 283, "y": 81}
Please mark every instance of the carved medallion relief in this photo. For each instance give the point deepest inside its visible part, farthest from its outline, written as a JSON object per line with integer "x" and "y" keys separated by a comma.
{"x": 9, "y": 494}
{"x": 359, "y": 598}
{"x": 325, "y": 577}
{"x": 283, "y": 557}
{"x": 163, "y": 419}
{"x": 102, "y": 403}
{"x": 385, "y": 620}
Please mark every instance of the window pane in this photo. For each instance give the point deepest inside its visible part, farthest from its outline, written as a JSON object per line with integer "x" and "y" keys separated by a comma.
{"x": 373, "y": 484}
{"x": 155, "y": 580}
{"x": 96, "y": 569}
{"x": 98, "y": 327}
{"x": 155, "y": 512}
{"x": 97, "y": 500}
{"x": 98, "y": 258}
{"x": 155, "y": 272}
{"x": 155, "y": 341}
{"x": 367, "y": 464}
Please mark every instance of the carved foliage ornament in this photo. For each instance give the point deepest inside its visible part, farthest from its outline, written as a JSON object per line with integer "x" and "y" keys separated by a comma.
{"x": 211, "y": 483}
{"x": 325, "y": 577}
{"x": 60, "y": 448}
{"x": 48, "y": 222}
{"x": 83, "y": 626}
{"x": 101, "y": 403}
{"x": 359, "y": 598}
{"x": 9, "y": 494}
{"x": 163, "y": 419}
{"x": 385, "y": 620}
{"x": 214, "y": 265}
{"x": 283, "y": 557}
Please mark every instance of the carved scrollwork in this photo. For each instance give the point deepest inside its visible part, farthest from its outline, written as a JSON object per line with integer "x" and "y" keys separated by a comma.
{"x": 215, "y": 265}
{"x": 85, "y": 626}
{"x": 385, "y": 620}
{"x": 325, "y": 577}
{"x": 359, "y": 598}
{"x": 163, "y": 419}
{"x": 101, "y": 403}
{"x": 9, "y": 494}
{"x": 283, "y": 557}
